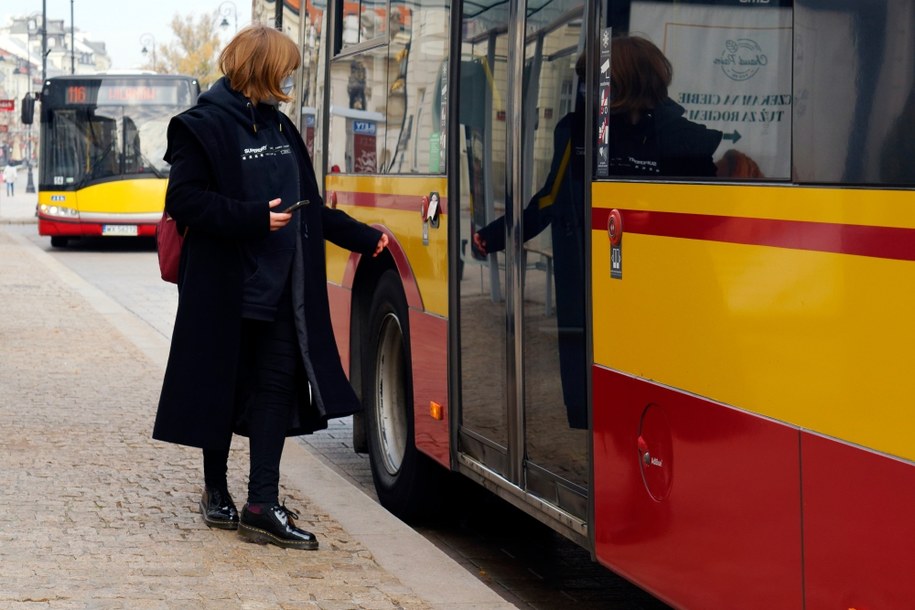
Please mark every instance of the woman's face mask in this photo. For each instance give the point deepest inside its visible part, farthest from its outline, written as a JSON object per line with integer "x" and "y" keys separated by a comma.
{"x": 286, "y": 85}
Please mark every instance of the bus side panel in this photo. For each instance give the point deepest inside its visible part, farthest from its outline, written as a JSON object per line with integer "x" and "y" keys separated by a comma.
{"x": 428, "y": 345}
{"x": 859, "y": 527}
{"x": 392, "y": 204}
{"x": 698, "y": 502}
{"x": 429, "y": 353}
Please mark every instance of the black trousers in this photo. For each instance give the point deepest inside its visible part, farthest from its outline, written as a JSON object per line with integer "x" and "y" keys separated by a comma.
{"x": 271, "y": 348}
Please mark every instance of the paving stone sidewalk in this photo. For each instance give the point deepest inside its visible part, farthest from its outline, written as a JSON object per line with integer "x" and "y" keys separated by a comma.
{"x": 95, "y": 514}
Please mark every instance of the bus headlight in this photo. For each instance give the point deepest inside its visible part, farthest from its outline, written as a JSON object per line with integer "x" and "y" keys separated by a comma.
{"x": 59, "y": 211}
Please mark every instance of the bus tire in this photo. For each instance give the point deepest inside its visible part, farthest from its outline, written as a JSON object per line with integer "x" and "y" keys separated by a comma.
{"x": 59, "y": 241}
{"x": 404, "y": 478}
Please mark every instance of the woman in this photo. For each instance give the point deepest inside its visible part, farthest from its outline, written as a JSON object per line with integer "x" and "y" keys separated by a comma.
{"x": 252, "y": 350}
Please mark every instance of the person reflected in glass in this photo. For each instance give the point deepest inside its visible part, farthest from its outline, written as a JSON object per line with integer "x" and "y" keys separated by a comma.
{"x": 648, "y": 134}
{"x": 559, "y": 205}
{"x": 253, "y": 350}
{"x": 648, "y": 137}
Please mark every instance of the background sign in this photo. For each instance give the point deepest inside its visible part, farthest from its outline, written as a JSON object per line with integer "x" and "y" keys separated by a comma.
{"x": 7, "y": 105}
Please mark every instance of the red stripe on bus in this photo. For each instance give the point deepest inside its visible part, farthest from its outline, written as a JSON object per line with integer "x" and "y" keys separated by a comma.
{"x": 860, "y": 240}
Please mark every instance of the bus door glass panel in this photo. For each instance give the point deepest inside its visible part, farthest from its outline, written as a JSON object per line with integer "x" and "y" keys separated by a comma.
{"x": 64, "y": 148}
{"x": 552, "y": 258}
{"x": 103, "y": 137}
{"x": 482, "y": 286}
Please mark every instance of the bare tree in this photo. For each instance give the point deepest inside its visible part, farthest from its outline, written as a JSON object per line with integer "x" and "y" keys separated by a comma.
{"x": 196, "y": 50}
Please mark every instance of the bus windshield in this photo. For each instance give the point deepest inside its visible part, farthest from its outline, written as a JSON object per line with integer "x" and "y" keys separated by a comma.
{"x": 107, "y": 128}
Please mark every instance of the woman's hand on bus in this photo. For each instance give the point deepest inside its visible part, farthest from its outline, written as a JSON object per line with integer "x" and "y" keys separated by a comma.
{"x": 278, "y": 220}
{"x": 382, "y": 244}
{"x": 479, "y": 243}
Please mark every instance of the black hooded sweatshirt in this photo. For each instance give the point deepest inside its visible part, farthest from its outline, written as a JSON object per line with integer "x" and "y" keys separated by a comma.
{"x": 268, "y": 171}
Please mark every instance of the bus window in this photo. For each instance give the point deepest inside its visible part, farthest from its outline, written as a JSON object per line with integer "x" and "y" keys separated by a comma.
{"x": 67, "y": 159}
{"x": 418, "y": 47}
{"x": 102, "y": 159}
{"x": 358, "y": 111}
{"x": 382, "y": 95}
{"x": 855, "y": 86}
{"x": 133, "y": 156}
{"x": 726, "y": 111}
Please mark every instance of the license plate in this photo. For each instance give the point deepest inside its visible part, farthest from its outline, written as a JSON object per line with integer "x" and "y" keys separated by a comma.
{"x": 120, "y": 230}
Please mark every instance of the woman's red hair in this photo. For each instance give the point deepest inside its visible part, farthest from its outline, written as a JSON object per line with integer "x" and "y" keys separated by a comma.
{"x": 257, "y": 60}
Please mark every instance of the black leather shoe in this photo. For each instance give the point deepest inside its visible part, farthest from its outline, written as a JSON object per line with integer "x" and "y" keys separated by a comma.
{"x": 275, "y": 525}
{"x": 218, "y": 510}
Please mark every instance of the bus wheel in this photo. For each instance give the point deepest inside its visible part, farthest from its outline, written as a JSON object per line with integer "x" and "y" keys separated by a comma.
{"x": 403, "y": 476}
{"x": 59, "y": 241}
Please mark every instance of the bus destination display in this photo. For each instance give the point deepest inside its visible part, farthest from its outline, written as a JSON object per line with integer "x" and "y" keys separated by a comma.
{"x": 115, "y": 94}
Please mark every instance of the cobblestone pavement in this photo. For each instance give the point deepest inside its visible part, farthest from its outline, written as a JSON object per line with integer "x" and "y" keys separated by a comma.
{"x": 95, "y": 514}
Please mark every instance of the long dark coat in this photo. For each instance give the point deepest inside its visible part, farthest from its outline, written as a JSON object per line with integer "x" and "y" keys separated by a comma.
{"x": 203, "y": 393}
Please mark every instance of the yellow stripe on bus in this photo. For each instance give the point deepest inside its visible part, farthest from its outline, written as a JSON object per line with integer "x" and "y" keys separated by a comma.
{"x": 428, "y": 262}
{"x": 386, "y": 185}
{"x": 115, "y": 197}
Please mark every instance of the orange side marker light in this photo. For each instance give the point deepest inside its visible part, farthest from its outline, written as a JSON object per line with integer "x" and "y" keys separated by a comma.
{"x": 436, "y": 411}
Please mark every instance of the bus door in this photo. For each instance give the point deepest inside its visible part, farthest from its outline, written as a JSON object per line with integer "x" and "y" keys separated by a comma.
{"x": 523, "y": 386}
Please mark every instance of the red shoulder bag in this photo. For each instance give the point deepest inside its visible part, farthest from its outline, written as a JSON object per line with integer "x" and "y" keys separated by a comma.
{"x": 168, "y": 246}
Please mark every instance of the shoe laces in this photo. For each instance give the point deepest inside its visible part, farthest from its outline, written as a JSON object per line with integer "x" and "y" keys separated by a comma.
{"x": 287, "y": 513}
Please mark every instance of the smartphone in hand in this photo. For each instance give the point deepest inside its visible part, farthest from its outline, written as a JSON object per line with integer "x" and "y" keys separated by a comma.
{"x": 295, "y": 206}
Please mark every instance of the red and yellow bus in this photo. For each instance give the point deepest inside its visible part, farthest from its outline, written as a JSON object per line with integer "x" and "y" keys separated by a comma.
{"x": 102, "y": 140}
{"x": 704, "y": 377}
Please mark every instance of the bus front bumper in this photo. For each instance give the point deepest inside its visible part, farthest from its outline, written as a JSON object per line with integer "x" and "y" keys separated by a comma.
{"x": 121, "y": 225}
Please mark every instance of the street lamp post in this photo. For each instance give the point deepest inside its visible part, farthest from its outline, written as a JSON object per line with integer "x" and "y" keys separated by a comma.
{"x": 225, "y": 9}
{"x": 149, "y": 42}
{"x": 30, "y": 31}
{"x": 72, "y": 43}
{"x": 44, "y": 41}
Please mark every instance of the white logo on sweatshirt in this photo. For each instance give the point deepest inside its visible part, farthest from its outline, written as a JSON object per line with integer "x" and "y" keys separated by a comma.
{"x": 265, "y": 151}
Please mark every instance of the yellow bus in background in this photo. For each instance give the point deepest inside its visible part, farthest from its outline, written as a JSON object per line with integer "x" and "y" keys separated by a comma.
{"x": 103, "y": 136}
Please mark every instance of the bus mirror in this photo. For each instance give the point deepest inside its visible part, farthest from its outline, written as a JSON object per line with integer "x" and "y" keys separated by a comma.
{"x": 28, "y": 109}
